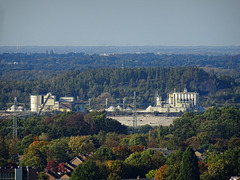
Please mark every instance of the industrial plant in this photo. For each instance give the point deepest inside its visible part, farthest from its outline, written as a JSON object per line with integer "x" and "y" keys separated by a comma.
{"x": 176, "y": 102}
{"x": 48, "y": 103}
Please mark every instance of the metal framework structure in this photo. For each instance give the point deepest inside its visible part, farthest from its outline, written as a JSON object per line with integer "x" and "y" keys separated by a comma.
{"x": 14, "y": 126}
{"x": 43, "y": 105}
{"x": 134, "y": 129}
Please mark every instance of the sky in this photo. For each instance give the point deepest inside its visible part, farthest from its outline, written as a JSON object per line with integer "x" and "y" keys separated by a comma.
{"x": 119, "y": 22}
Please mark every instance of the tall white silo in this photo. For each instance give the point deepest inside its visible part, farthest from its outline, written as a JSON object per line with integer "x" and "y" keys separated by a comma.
{"x": 35, "y": 102}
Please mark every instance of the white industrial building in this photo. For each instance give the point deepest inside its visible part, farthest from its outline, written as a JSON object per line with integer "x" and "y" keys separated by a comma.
{"x": 43, "y": 103}
{"x": 48, "y": 103}
{"x": 177, "y": 102}
{"x": 15, "y": 108}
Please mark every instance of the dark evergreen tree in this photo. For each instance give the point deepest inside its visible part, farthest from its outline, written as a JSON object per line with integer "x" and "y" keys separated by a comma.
{"x": 3, "y": 152}
{"x": 189, "y": 169}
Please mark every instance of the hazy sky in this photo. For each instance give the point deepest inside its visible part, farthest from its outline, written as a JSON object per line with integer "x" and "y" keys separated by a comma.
{"x": 120, "y": 22}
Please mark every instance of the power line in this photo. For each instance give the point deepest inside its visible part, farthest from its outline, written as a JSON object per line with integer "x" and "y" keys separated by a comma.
{"x": 14, "y": 126}
{"x": 134, "y": 130}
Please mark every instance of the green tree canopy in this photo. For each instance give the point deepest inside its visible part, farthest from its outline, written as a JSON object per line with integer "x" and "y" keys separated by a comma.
{"x": 138, "y": 139}
{"x": 189, "y": 169}
{"x": 104, "y": 153}
{"x": 3, "y": 152}
{"x": 86, "y": 171}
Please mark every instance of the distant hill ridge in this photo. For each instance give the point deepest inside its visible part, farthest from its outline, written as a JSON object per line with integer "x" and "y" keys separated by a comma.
{"x": 210, "y": 50}
{"x": 122, "y": 82}
{"x": 37, "y": 66}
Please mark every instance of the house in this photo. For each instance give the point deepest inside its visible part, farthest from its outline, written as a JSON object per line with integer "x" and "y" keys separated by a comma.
{"x": 65, "y": 176}
{"x": 165, "y": 151}
{"x": 18, "y": 173}
{"x": 51, "y": 175}
{"x": 199, "y": 154}
{"x": 77, "y": 160}
{"x": 68, "y": 168}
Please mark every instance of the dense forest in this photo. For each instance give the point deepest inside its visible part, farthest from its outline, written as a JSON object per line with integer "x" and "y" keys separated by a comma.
{"x": 23, "y": 66}
{"x": 46, "y": 142}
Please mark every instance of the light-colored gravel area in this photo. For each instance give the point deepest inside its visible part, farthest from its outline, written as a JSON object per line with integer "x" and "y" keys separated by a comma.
{"x": 143, "y": 120}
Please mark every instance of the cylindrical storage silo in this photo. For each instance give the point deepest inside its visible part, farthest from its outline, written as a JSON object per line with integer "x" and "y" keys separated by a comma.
{"x": 34, "y": 103}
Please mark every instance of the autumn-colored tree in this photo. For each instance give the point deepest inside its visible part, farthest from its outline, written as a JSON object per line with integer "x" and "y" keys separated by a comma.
{"x": 161, "y": 173}
{"x": 121, "y": 152}
{"x": 216, "y": 170}
{"x": 112, "y": 140}
{"x": 152, "y": 144}
{"x": 81, "y": 145}
{"x": 118, "y": 167}
{"x": 61, "y": 168}
{"x": 158, "y": 160}
{"x": 163, "y": 143}
{"x": 192, "y": 141}
{"x": 52, "y": 166}
{"x": 137, "y": 148}
{"x": 35, "y": 155}
{"x": 66, "y": 124}
{"x": 202, "y": 167}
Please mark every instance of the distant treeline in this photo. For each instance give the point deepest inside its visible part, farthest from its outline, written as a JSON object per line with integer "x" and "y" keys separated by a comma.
{"x": 42, "y": 66}
{"x": 117, "y": 83}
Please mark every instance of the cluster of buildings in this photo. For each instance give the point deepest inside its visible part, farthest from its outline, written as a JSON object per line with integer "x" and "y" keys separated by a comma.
{"x": 67, "y": 168}
{"x": 18, "y": 173}
{"x": 28, "y": 173}
{"x": 48, "y": 103}
{"x": 176, "y": 102}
